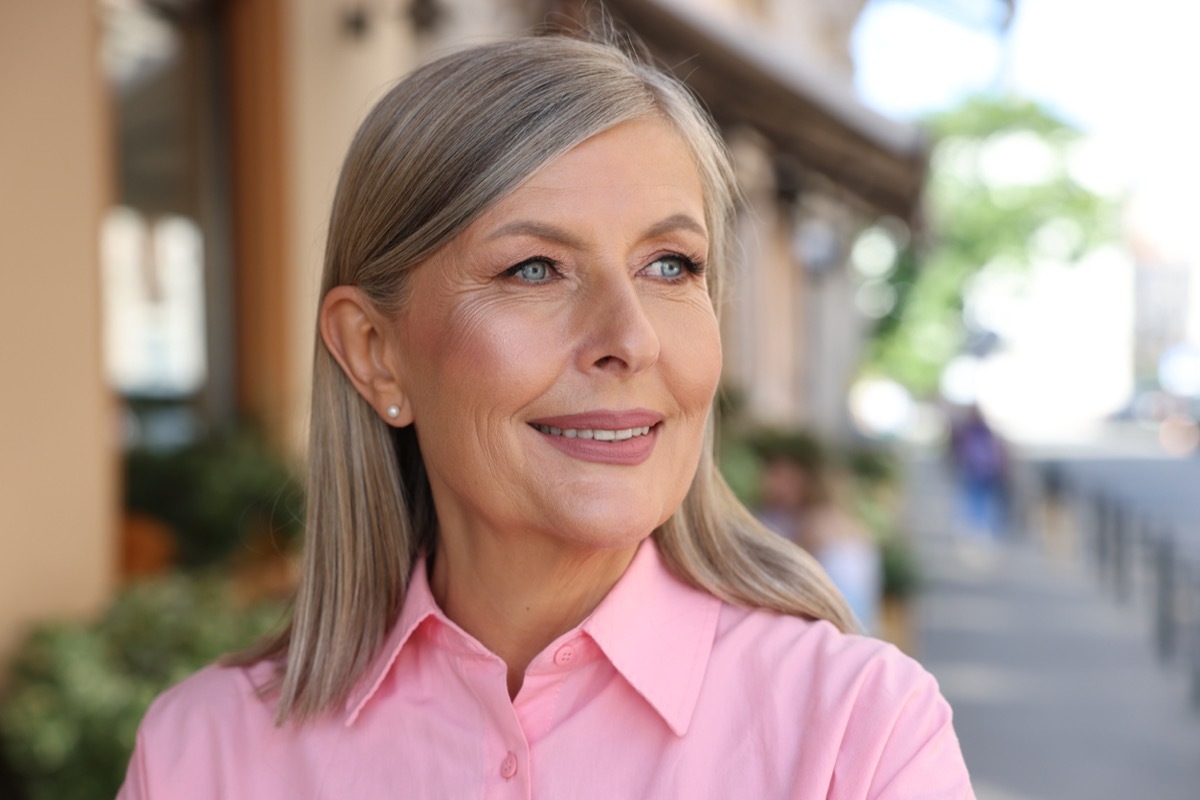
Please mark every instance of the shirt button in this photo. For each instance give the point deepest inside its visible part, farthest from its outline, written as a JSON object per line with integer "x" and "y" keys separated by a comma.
{"x": 508, "y": 767}
{"x": 565, "y": 656}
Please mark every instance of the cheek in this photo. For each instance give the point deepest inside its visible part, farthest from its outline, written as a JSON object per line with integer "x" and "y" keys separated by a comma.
{"x": 472, "y": 336}
{"x": 695, "y": 359}
{"x": 483, "y": 354}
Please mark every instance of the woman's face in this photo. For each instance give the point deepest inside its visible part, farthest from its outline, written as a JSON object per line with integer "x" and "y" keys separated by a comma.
{"x": 561, "y": 354}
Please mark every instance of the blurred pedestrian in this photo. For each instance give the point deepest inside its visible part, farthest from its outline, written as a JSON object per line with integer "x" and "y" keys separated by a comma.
{"x": 979, "y": 458}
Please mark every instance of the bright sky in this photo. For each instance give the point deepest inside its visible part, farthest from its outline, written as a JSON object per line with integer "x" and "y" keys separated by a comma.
{"x": 1124, "y": 71}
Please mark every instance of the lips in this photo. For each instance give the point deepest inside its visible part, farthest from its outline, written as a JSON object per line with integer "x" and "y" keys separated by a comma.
{"x": 610, "y": 437}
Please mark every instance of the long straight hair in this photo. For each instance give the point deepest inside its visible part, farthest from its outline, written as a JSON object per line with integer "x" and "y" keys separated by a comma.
{"x": 444, "y": 145}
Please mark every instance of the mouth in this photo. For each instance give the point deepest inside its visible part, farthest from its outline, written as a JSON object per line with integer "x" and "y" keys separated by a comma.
{"x": 596, "y": 434}
{"x": 610, "y": 437}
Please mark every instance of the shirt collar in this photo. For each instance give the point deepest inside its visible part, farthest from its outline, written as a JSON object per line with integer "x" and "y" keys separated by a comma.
{"x": 658, "y": 633}
{"x": 419, "y": 606}
{"x": 655, "y": 630}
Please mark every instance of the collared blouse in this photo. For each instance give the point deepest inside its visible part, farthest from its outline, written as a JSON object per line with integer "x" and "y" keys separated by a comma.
{"x": 664, "y": 691}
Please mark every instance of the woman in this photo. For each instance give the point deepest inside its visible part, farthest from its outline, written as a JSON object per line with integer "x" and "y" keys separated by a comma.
{"x": 524, "y": 576}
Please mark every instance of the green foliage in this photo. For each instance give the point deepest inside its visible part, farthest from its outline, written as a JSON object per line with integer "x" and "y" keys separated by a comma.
{"x": 742, "y": 470}
{"x": 797, "y": 446}
{"x": 874, "y": 466}
{"x": 216, "y": 495}
{"x": 901, "y": 572}
{"x": 975, "y": 220}
{"x": 737, "y": 462}
{"x": 77, "y": 692}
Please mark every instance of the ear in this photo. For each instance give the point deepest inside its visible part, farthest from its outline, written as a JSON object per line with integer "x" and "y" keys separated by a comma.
{"x": 357, "y": 336}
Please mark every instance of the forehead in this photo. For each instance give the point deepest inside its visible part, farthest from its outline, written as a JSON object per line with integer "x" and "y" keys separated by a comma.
{"x": 641, "y": 166}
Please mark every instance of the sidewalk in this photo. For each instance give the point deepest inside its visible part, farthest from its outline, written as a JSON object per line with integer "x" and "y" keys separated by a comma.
{"x": 1056, "y": 691}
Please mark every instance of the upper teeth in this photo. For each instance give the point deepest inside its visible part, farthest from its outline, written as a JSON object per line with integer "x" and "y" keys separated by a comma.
{"x": 601, "y": 434}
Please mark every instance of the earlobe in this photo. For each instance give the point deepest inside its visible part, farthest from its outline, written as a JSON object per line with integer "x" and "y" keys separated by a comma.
{"x": 355, "y": 334}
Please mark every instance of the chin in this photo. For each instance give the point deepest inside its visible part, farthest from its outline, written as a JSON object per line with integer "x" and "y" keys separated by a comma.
{"x": 609, "y": 528}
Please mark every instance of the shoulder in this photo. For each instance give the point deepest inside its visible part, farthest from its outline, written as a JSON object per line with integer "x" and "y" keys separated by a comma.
{"x": 842, "y": 679}
{"x": 216, "y": 695}
{"x": 817, "y": 644}
{"x": 881, "y": 724}
{"x": 198, "y": 731}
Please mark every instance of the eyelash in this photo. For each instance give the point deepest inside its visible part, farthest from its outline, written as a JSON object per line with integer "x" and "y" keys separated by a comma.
{"x": 691, "y": 265}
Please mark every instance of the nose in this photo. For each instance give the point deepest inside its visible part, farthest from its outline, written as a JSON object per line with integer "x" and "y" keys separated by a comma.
{"x": 618, "y": 335}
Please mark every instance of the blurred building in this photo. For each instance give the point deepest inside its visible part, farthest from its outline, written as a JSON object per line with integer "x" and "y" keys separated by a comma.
{"x": 58, "y": 448}
{"x": 1160, "y": 232}
{"x": 169, "y": 166}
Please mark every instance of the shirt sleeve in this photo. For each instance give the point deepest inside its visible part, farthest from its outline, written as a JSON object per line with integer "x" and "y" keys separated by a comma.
{"x": 136, "y": 786}
{"x": 920, "y": 758}
{"x": 896, "y": 740}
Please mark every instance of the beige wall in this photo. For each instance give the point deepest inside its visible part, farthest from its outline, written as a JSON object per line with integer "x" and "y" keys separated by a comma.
{"x": 58, "y": 463}
{"x": 764, "y": 326}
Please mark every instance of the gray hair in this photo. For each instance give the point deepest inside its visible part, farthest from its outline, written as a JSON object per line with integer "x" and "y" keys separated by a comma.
{"x": 442, "y": 147}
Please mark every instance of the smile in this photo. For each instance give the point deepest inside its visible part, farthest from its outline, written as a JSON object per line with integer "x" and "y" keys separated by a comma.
{"x": 620, "y": 438}
{"x": 598, "y": 434}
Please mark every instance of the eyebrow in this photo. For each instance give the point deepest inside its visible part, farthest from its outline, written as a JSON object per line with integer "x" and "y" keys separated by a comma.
{"x": 541, "y": 230}
{"x": 677, "y": 222}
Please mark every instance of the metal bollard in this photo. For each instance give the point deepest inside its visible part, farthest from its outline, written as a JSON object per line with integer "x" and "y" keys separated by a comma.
{"x": 1100, "y": 536}
{"x": 1120, "y": 554}
{"x": 1194, "y": 630}
{"x": 1147, "y": 550}
{"x": 1165, "y": 633}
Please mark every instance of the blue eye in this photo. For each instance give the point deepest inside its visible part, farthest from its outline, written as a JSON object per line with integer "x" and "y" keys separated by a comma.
{"x": 535, "y": 270}
{"x": 670, "y": 267}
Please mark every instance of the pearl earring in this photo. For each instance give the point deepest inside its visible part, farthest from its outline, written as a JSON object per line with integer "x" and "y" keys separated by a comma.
{"x": 393, "y": 411}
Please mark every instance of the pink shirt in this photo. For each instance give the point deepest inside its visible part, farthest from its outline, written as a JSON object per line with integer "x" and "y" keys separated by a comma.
{"x": 663, "y": 692}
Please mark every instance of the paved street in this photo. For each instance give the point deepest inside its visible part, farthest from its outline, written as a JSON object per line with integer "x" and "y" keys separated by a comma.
{"x": 1056, "y": 689}
{"x": 1125, "y": 463}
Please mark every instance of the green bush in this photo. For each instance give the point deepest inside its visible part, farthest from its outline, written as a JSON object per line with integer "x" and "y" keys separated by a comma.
{"x": 898, "y": 562}
{"x": 873, "y": 465}
{"x": 77, "y": 692}
{"x": 796, "y": 445}
{"x": 216, "y": 495}
{"x": 742, "y": 470}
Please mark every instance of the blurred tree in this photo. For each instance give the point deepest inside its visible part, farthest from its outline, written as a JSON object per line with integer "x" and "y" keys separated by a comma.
{"x": 1004, "y": 184}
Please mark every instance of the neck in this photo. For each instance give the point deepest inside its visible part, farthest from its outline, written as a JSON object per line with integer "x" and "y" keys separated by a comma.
{"x": 516, "y": 596}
